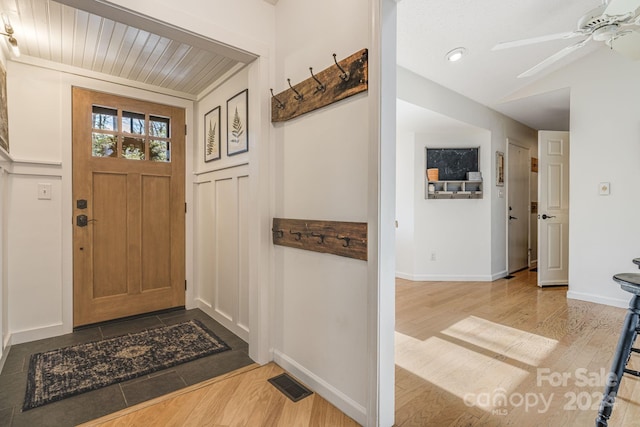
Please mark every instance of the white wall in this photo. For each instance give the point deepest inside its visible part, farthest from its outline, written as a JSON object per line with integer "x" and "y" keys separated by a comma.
{"x": 605, "y": 147}
{"x": 431, "y": 96}
{"x": 406, "y": 182}
{"x": 456, "y": 231}
{"x": 40, "y": 231}
{"x": 221, "y": 220}
{"x": 4, "y": 288}
{"x": 323, "y": 173}
{"x": 5, "y": 163}
{"x": 605, "y": 135}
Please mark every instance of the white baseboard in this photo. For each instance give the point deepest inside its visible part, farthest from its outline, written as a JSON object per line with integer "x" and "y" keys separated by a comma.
{"x": 224, "y": 320}
{"x": 500, "y": 275}
{"x": 331, "y": 394}
{"x": 444, "y": 277}
{"x": 598, "y": 299}
{"x": 6, "y": 346}
{"x": 28, "y": 335}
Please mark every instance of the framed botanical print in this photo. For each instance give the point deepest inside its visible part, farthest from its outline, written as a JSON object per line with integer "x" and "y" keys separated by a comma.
{"x": 237, "y": 123}
{"x": 499, "y": 168}
{"x": 212, "y": 135}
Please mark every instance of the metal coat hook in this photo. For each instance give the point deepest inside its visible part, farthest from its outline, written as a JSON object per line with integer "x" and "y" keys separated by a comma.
{"x": 298, "y": 96}
{"x": 345, "y": 74}
{"x": 279, "y": 104}
{"x": 346, "y": 239}
{"x": 320, "y": 87}
{"x": 297, "y": 233}
{"x": 321, "y": 236}
{"x": 364, "y": 57}
{"x": 278, "y": 233}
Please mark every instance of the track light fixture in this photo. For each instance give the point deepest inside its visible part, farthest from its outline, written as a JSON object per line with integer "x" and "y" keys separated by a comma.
{"x": 8, "y": 32}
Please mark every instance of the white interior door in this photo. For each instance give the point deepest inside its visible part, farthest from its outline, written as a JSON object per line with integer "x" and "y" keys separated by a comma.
{"x": 518, "y": 214}
{"x": 553, "y": 208}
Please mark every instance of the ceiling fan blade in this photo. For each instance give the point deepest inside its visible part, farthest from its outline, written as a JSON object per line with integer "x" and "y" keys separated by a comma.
{"x": 628, "y": 45}
{"x": 553, "y": 58}
{"x": 533, "y": 40}
{"x": 621, "y": 7}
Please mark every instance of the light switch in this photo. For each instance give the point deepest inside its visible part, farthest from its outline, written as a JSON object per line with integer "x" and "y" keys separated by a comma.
{"x": 44, "y": 191}
{"x": 604, "y": 188}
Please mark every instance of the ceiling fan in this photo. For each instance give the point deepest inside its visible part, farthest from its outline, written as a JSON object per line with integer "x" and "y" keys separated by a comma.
{"x": 616, "y": 23}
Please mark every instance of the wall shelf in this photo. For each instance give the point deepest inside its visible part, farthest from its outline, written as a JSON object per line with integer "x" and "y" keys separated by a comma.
{"x": 453, "y": 190}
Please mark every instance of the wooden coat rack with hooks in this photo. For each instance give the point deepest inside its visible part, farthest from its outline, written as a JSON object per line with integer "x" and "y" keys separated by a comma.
{"x": 348, "y": 239}
{"x": 342, "y": 80}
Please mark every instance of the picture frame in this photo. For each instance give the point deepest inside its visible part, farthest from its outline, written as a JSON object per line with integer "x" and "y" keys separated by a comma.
{"x": 499, "y": 169}
{"x": 212, "y": 135}
{"x": 4, "y": 116}
{"x": 238, "y": 123}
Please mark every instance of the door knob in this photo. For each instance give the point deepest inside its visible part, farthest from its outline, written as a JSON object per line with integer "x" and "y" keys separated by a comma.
{"x": 512, "y": 217}
{"x": 545, "y": 216}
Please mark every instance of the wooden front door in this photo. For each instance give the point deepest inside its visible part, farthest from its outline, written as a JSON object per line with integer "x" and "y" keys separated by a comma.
{"x": 129, "y": 207}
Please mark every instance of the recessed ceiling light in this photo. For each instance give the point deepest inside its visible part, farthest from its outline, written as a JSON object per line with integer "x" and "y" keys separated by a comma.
{"x": 455, "y": 54}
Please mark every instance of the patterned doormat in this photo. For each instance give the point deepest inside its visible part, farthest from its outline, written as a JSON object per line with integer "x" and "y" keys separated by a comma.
{"x": 68, "y": 371}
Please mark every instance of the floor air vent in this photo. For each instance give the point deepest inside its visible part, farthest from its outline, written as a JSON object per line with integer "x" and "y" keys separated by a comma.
{"x": 290, "y": 387}
{"x": 511, "y": 276}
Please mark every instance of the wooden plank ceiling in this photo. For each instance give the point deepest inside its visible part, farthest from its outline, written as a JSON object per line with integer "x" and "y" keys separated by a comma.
{"x": 55, "y": 32}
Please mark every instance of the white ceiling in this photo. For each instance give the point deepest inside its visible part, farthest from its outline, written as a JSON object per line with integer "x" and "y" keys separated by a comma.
{"x": 428, "y": 29}
{"x": 105, "y": 39}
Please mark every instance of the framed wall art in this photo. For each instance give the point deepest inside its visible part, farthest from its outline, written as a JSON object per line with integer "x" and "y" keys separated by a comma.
{"x": 237, "y": 123}
{"x": 499, "y": 168}
{"x": 212, "y": 135}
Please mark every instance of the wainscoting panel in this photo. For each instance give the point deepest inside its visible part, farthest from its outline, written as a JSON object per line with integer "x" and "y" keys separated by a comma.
{"x": 226, "y": 247}
{"x": 221, "y": 245}
{"x": 243, "y": 251}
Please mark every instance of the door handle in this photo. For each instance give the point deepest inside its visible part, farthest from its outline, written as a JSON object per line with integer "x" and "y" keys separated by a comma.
{"x": 512, "y": 217}
{"x": 83, "y": 221}
{"x": 545, "y": 216}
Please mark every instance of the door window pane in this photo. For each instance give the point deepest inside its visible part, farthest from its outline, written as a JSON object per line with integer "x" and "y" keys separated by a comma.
{"x": 125, "y": 135}
{"x": 103, "y": 145}
{"x": 104, "y": 118}
{"x": 133, "y": 123}
{"x": 159, "y": 126}
{"x": 133, "y": 148}
{"x": 159, "y": 151}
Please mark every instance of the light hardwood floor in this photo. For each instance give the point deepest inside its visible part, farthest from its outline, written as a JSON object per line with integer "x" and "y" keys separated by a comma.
{"x": 241, "y": 398}
{"x": 505, "y": 353}
{"x": 461, "y": 346}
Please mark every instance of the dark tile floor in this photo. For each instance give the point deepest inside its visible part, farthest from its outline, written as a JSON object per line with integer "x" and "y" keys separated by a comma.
{"x": 94, "y": 404}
